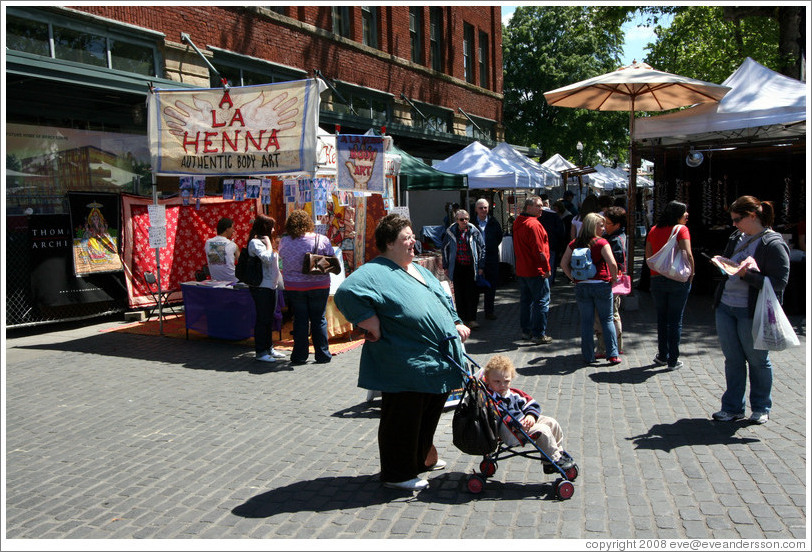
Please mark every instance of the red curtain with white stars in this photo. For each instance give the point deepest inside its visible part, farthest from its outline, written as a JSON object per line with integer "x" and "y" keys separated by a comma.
{"x": 187, "y": 230}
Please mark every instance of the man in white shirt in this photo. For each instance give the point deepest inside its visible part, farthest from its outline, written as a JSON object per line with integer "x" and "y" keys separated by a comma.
{"x": 222, "y": 253}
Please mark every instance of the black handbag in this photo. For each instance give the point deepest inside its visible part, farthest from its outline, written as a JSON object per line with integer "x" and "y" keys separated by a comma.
{"x": 248, "y": 269}
{"x": 319, "y": 265}
{"x": 475, "y": 427}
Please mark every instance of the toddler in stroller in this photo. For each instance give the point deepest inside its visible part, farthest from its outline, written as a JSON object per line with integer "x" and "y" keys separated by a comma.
{"x": 545, "y": 431}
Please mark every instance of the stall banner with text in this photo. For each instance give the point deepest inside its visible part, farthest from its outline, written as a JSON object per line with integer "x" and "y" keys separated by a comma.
{"x": 360, "y": 163}
{"x": 187, "y": 230}
{"x": 246, "y": 130}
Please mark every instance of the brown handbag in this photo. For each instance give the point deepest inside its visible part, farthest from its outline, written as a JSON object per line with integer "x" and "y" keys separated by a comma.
{"x": 319, "y": 265}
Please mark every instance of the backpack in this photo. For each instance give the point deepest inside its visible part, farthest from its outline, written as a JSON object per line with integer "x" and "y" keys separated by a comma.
{"x": 581, "y": 264}
{"x": 248, "y": 269}
{"x": 474, "y": 426}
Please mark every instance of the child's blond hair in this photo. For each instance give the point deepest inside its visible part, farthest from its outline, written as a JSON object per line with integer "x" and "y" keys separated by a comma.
{"x": 501, "y": 364}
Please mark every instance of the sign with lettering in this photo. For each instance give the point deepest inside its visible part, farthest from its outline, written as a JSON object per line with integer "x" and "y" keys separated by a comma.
{"x": 245, "y": 130}
{"x": 53, "y": 282}
{"x": 360, "y": 163}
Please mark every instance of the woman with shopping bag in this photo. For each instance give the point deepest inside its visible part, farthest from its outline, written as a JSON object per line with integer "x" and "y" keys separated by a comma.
{"x": 669, "y": 256}
{"x": 767, "y": 260}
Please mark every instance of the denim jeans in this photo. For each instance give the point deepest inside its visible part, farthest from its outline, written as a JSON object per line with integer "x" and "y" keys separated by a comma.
{"x": 308, "y": 309}
{"x": 265, "y": 305}
{"x": 734, "y": 327}
{"x": 670, "y": 297}
{"x": 534, "y": 303}
{"x": 591, "y": 299}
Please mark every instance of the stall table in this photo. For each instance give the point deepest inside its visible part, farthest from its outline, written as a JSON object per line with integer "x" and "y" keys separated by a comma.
{"x": 218, "y": 310}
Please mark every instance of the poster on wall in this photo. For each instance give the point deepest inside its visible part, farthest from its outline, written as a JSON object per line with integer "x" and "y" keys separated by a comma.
{"x": 360, "y": 163}
{"x": 53, "y": 281}
{"x": 95, "y": 224}
{"x": 242, "y": 130}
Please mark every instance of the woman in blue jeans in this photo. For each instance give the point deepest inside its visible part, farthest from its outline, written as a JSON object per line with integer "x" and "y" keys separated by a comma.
{"x": 670, "y": 296}
{"x": 306, "y": 295}
{"x": 594, "y": 294}
{"x": 735, "y": 303}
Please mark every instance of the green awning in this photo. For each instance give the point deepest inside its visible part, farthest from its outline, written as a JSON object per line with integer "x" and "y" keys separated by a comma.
{"x": 416, "y": 175}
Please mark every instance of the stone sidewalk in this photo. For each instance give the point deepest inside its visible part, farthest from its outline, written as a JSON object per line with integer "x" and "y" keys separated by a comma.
{"x": 120, "y": 436}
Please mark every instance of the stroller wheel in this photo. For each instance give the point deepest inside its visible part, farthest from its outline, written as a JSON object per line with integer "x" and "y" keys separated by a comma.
{"x": 572, "y": 473}
{"x": 487, "y": 467}
{"x": 476, "y": 484}
{"x": 564, "y": 489}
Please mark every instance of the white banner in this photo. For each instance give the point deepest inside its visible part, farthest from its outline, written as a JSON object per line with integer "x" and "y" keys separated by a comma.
{"x": 360, "y": 162}
{"x": 247, "y": 130}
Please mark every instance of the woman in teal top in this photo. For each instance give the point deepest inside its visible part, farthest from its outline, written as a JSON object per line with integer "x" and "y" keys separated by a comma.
{"x": 407, "y": 317}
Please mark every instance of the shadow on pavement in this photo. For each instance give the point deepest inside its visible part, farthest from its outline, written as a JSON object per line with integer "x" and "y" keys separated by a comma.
{"x": 365, "y": 409}
{"x": 691, "y": 432}
{"x": 630, "y": 375}
{"x": 348, "y": 492}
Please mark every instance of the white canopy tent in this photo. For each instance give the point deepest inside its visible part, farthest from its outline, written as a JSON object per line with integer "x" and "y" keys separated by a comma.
{"x": 486, "y": 170}
{"x": 761, "y": 105}
{"x": 545, "y": 177}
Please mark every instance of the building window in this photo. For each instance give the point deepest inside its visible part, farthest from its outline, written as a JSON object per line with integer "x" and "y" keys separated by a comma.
{"x": 483, "y": 60}
{"x": 60, "y": 39}
{"x": 341, "y": 21}
{"x": 436, "y": 38}
{"x": 431, "y": 118}
{"x": 281, "y": 10}
{"x": 28, "y": 36}
{"x": 468, "y": 51}
{"x": 369, "y": 22}
{"x": 364, "y": 103}
{"x": 416, "y": 33}
{"x": 483, "y": 130}
{"x": 241, "y": 71}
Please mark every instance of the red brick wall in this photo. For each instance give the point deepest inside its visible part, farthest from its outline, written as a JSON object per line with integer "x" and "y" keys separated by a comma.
{"x": 242, "y": 30}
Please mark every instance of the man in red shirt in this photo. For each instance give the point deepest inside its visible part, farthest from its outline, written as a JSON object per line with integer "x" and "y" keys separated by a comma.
{"x": 532, "y": 251}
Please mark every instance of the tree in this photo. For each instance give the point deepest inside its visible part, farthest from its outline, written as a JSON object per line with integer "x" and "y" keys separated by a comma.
{"x": 710, "y": 42}
{"x": 548, "y": 47}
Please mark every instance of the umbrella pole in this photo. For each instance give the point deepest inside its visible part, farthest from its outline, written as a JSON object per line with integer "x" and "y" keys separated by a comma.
{"x": 630, "y": 227}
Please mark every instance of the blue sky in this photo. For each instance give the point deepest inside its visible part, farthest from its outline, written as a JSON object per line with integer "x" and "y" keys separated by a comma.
{"x": 637, "y": 36}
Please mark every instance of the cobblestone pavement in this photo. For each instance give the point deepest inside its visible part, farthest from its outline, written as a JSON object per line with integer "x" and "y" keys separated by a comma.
{"x": 120, "y": 436}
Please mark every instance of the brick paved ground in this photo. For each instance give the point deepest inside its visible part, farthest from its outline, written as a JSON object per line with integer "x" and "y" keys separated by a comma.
{"x": 113, "y": 435}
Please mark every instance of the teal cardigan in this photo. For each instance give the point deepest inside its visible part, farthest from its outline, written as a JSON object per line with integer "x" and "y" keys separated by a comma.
{"x": 415, "y": 320}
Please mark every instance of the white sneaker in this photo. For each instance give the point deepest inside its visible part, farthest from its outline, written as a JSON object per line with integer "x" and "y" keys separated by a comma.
{"x": 438, "y": 465}
{"x": 266, "y": 358}
{"x": 415, "y": 484}
{"x": 759, "y": 417}
{"x": 276, "y": 354}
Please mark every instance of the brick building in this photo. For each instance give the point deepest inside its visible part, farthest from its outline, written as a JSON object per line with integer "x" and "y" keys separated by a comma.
{"x": 77, "y": 79}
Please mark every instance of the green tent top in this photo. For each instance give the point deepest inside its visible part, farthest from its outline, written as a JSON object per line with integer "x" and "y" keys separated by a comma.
{"x": 416, "y": 175}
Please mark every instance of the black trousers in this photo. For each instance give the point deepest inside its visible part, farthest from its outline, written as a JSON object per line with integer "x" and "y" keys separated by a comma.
{"x": 265, "y": 305}
{"x": 466, "y": 294}
{"x": 406, "y": 432}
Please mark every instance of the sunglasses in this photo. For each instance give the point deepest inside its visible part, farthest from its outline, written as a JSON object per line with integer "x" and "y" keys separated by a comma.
{"x": 736, "y": 220}
{"x": 462, "y": 219}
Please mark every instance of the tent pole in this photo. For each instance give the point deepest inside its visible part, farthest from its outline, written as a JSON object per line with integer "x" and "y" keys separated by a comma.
{"x": 158, "y": 260}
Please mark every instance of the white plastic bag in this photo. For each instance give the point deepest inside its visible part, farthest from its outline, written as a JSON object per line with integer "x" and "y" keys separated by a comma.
{"x": 671, "y": 261}
{"x": 771, "y": 328}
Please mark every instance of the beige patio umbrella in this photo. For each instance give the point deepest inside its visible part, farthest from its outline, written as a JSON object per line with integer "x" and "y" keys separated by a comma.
{"x": 635, "y": 87}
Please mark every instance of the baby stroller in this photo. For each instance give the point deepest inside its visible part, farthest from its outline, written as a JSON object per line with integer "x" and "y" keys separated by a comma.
{"x": 476, "y": 431}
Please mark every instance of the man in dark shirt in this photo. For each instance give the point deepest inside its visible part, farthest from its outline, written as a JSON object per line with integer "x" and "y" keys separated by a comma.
{"x": 554, "y": 227}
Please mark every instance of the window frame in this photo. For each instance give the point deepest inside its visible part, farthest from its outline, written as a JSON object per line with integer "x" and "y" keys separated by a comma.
{"x": 483, "y": 53}
{"x": 416, "y": 33}
{"x": 341, "y": 21}
{"x": 369, "y": 26}
{"x": 232, "y": 61}
{"x": 144, "y": 39}
{"x": 468, "y": 35}
{"x": 436, "y": 38}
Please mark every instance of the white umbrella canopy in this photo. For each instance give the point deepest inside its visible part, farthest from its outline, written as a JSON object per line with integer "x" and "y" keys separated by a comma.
{"x": 635, "y": 87}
